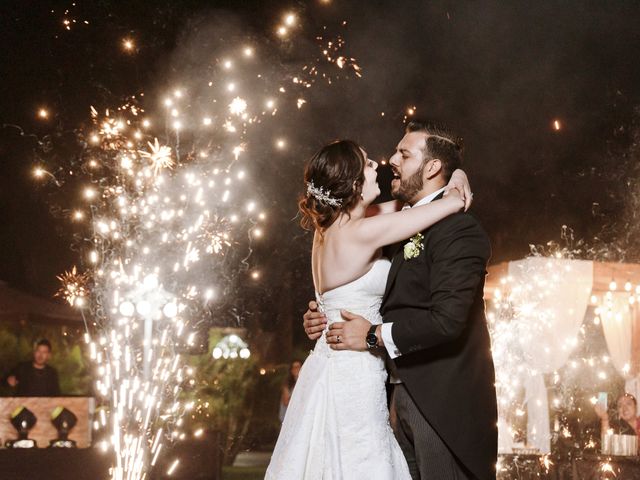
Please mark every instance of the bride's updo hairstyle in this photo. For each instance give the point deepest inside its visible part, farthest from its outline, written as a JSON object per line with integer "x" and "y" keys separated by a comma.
{"x": 333, "y": 182}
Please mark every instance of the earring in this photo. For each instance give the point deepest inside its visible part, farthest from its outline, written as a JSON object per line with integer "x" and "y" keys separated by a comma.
{"x": 362, "y": 196}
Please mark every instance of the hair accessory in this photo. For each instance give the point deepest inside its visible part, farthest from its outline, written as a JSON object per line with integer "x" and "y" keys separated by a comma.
{"x": 322, "y": 195}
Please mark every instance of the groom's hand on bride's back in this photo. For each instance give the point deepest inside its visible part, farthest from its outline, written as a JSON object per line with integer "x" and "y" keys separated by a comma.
{"x": 314, "y": 321}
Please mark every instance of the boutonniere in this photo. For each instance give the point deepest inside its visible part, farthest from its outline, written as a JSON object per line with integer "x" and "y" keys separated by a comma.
{"x": 414, "y": 246}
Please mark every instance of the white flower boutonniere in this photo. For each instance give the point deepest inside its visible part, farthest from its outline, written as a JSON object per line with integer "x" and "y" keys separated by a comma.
{"x": 413, "y": 248}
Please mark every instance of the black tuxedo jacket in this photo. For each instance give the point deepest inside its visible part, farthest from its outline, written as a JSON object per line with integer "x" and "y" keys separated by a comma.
{"x": 435, "y": 302}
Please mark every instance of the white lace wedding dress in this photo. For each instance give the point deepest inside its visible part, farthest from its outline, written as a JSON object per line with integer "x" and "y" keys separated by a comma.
{"x": 337, "y": 423}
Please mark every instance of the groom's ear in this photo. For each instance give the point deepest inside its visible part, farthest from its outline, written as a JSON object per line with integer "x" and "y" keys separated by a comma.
{"x": 433, "y": 168}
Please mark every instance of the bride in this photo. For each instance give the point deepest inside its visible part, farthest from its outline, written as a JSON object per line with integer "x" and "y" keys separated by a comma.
{"x": 337, "y": 423}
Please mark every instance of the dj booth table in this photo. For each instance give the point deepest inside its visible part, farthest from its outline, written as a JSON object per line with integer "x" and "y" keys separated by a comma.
{"x": 200, "y": 458}
{"x": 53, "y": 464}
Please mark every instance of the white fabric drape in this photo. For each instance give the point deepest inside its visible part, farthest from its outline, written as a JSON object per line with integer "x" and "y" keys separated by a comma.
{"x": 505, "y": 439}
{"x": 616, "y": 324}
{"x": 549, "y": 321}
{"x": 632, "y": 386}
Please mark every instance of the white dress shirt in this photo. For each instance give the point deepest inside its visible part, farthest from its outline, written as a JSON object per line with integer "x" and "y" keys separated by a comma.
{"x": 386, "y": 328}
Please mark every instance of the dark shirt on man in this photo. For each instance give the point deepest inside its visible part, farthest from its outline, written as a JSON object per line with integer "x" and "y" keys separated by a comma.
{"x": 36, "y": 382}
{"x": 621, "y": 427}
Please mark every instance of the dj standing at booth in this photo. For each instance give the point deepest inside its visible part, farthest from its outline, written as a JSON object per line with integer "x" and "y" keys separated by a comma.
{"x": 35, "y": 378}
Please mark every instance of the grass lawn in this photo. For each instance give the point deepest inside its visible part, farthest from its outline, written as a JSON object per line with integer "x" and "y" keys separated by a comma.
{"x": 243, "y": 473}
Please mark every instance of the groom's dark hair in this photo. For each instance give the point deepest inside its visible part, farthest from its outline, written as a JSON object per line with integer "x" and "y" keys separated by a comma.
{"x": 441, "y": 144}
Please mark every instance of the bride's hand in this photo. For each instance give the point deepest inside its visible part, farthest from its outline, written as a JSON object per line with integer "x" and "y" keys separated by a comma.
{"x": 455, "y": 199}
{"x": 460, "y": 183}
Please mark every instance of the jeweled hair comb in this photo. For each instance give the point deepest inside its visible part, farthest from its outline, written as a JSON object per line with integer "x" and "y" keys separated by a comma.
{"x": 322, "y": 195}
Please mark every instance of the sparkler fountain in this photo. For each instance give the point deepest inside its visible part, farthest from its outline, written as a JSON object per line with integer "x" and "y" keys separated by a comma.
{"x": 163, "y": 230}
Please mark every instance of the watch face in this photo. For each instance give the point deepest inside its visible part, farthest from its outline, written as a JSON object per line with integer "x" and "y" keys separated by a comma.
{"x": 372, "y": 340}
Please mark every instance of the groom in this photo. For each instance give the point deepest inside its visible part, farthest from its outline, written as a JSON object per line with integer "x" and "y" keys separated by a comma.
{"x": 443, "y": 407}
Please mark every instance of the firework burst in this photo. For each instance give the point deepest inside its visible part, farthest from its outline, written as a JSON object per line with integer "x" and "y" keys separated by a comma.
{"x": 75, "y": 287}
{"x": 159, "y": 156}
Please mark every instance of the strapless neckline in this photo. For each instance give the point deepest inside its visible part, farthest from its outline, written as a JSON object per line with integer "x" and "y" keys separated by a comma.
{"x": 379, "y": 261}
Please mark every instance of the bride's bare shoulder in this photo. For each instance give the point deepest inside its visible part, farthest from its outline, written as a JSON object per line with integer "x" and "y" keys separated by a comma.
{"x": 382, "y": 208}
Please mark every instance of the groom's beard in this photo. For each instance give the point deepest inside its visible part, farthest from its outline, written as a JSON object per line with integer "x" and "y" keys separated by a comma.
{"x": 410, "y": 187}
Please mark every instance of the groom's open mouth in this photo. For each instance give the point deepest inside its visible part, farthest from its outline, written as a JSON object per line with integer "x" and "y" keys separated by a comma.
{"x": 396, "y": 178}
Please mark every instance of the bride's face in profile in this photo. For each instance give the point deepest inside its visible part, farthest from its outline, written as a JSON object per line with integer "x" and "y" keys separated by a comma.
{"x": 370, "y": 188}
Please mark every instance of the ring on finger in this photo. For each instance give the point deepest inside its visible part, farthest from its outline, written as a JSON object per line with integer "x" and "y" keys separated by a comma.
{"x": 338, "y": 339}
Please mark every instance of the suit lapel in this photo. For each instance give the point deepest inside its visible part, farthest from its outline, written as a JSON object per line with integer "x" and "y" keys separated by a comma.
{"x": 438, "y": 197}
{"x": 397, "y": 262}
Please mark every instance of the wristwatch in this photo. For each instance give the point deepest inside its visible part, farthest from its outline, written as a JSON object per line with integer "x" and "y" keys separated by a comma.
{"x": 372, "y": 338}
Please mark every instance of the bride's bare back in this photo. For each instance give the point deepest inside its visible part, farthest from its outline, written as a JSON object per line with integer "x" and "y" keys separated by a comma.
{"x": 337, "y": 259}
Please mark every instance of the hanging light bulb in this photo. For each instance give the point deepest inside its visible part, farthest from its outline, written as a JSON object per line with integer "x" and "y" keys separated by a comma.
{"x": 613, "y": 286}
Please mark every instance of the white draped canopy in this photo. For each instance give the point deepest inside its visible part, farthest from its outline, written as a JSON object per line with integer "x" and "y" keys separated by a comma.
{"x": 617, "y": 331}
{"x": 547, "y": 329}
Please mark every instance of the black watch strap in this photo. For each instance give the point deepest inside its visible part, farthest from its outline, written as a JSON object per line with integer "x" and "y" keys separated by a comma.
{"x": 372, "y": 338}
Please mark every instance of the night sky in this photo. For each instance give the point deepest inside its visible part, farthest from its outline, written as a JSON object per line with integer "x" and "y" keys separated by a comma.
{"x": 498, "y": 73}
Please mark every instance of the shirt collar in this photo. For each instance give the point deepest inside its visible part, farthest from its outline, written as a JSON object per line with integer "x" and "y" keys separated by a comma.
{"x": 429, "y": 198}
